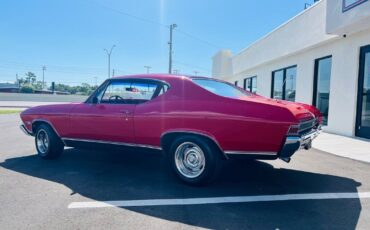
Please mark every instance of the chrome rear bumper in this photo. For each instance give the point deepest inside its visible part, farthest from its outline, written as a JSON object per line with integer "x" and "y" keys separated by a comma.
{"x": 294, "y": 143}
{"x": 25, "y": 130}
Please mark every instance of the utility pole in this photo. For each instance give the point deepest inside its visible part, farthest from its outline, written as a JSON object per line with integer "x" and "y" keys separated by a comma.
{"x": 43, "y": 77}
{"x": 195, "y": 72}
{"x": 172, "y": 27}
{"x": 113, "y": 72}
{"x": 109, "y": 53}
{"x": 147, "y": 68}
{"x": 176, "y": 71}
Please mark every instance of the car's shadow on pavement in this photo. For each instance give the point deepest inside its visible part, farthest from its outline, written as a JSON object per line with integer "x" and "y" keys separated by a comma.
{"x": 107, "y": 176}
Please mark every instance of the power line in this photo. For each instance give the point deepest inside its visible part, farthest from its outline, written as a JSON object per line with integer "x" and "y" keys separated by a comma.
{"x": 50, "y": 70}
{"x": 131, "y": 15}
{"x": 192, "y": 66}
{"x": 199, "y": 39}
{"x": 157, "y": 23}
{"x": 18, "y": 65}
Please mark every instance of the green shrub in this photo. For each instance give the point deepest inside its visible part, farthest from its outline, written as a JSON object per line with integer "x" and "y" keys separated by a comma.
{"x": 27, "y": 89}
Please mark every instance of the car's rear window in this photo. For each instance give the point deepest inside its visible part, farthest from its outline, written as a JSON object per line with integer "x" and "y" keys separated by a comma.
{"x": 221, "y": 88}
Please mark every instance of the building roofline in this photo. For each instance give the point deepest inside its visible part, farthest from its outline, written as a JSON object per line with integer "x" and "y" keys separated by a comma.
{"x": 279, "y": 27}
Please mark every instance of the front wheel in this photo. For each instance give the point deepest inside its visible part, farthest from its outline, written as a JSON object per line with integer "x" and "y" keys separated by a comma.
{"x": 48, "y": 144}
{"x": 195, "y": 160}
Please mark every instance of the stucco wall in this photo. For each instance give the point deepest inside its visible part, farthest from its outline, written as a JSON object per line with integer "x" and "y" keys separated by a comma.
{"x": 222, "y": 64}
{"x": 304, "y": 31}
{"x": 344, "y": 78}
{"x": 351, "y": 21}
{"x": 301, "y": 41}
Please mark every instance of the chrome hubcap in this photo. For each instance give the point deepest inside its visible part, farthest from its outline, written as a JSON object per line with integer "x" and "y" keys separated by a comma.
{"x": 42, "y": 141}
{"x": 190, "y": 160}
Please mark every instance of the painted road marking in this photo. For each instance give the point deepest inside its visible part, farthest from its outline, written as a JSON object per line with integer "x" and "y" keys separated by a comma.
{"x": 219, "y": 200}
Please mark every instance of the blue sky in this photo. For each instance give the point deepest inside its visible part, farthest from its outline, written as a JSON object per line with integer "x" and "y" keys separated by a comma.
{"x": 68, "y": 36}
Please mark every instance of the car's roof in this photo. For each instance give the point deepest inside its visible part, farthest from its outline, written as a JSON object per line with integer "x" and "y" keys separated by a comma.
{"x": 162, "y": 77}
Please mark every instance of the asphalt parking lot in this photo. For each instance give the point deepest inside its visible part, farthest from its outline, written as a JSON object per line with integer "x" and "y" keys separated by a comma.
{"x": 40, "y": 194}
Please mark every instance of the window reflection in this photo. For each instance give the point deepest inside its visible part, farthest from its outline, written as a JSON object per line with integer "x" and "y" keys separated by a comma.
{"x": 322, "y": 91}
{"x": 290, "y": 82}
{"x": 278, "y": 80}
{"x": 284, "y": 83}
{"x": 365, "y": 116}
{"x": 250, "y": 84}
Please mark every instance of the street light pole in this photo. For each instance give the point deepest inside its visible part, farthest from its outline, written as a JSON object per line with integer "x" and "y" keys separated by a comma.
{"x": 109, "y": 53}
{"x": 172, "y": 27}
{"x": 43, "y": 77}
{"x": 147, "y": 68}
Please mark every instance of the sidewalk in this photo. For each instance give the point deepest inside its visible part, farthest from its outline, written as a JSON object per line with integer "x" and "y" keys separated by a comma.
{"x": 353, "y": 148}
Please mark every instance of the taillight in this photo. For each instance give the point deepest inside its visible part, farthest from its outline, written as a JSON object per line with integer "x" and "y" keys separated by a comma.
{"x": 293, "y": 130}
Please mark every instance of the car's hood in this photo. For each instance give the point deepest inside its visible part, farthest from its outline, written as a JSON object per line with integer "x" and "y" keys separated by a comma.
{"x": 50, "y": 109}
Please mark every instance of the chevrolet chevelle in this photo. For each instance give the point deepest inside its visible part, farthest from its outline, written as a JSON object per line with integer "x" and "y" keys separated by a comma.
{"x": 197, "y": 122}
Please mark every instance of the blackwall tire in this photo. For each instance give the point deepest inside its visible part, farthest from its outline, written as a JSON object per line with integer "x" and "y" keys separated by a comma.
{"x": 48, "y": 144}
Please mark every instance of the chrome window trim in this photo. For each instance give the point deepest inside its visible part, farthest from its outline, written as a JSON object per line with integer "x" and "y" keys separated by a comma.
{"x": 112, "y": 143}
{"x": 107, "y": 82}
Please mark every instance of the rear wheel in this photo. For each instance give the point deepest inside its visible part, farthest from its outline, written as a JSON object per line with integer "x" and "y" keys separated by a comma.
{"x": 195, "y": 160}
{"x": 48, "y": 144}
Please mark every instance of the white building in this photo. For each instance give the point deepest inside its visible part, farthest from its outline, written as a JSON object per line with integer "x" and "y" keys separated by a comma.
{"x": 320, "y": 57}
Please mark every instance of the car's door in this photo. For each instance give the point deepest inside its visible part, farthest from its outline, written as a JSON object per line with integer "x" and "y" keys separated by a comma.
{"x": 108, "y": 116}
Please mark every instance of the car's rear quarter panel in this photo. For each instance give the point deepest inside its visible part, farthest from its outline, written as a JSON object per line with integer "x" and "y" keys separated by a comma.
{"x": 235, "y": 125}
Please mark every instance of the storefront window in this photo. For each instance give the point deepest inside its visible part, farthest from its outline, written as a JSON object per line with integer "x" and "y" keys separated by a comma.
{"x": 284, "y": 84}
{"x": 322, "y": 86}
{"x": 278, "y": 80}
{"x": 365, "y": 115}
{"x": 290, "y": 79}
{"x": 349, "y": 4}
{"x": 363, "y": 99}
{"x": 250, "y": 84}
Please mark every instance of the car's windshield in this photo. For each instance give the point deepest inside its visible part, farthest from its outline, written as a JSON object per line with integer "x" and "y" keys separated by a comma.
{"x": 221, "y": 88}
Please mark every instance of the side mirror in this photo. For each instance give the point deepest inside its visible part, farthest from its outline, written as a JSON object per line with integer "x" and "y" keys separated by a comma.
{"x": 95, "y": 100}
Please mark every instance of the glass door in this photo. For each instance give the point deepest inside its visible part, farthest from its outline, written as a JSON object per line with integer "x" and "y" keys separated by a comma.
{"x": 321, "y": 91}
{"x": 363, "y": 102}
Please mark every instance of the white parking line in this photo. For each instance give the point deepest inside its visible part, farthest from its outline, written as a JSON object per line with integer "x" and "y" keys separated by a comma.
{"x": 219, "y": 200}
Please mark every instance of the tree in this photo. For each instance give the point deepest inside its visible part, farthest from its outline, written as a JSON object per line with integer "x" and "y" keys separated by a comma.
{"x": 84, "y": 88}
{"x": 38, "y": 85}
{"x": 30, "y": 78}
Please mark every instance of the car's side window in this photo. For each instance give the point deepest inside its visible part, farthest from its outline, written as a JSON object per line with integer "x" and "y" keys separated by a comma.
{"x": 128, "y": 92}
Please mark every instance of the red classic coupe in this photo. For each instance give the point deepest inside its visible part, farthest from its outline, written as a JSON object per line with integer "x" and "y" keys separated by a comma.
{"x": 197, "y": 122}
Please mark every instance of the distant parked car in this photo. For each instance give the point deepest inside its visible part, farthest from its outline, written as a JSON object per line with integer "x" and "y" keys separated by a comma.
{"x": 198, "y": 122}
